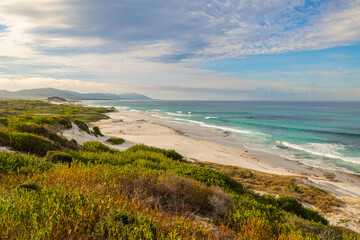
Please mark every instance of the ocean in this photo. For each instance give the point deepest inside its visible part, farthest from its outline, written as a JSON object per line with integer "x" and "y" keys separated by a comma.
{"x": 320, "y": 134}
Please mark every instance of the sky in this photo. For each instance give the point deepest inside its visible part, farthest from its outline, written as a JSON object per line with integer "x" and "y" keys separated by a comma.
{"x": 189, "y": 50}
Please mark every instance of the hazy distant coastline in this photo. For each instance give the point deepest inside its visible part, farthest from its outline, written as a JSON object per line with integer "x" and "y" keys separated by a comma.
{"x": 41, "y": 93}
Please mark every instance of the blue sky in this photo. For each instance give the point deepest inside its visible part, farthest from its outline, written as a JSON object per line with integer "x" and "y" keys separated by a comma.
{"x": 213, "y": 49}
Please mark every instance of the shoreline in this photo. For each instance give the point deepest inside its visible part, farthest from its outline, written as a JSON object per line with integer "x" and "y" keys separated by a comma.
{"x": 139, "y": 127}
{"x": 197, "y": 144}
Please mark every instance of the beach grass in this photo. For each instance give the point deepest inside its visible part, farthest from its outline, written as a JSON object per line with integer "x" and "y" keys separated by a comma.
{"x": 280, "y": 185}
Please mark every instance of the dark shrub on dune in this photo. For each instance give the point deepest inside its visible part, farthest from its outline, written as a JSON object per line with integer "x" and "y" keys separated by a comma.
{"x": 31, "y": 143}
{"x": 65, "y": 122}
{"x": 115, "y": 141}
{"x": 59, "y": 157}
{"x": 73, "y": 142}
{"x": 96, "y": 131}
{"x": 82, "y": 126}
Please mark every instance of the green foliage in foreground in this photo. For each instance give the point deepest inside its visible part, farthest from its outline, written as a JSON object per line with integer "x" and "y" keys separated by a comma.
{"x": 116, "y": 141}
{"x": 140, "y": 193}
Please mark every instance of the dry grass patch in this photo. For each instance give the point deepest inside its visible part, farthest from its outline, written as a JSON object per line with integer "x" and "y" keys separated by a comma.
{"x": 279, "y": 185}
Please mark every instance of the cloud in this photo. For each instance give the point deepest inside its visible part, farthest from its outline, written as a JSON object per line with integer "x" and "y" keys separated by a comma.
{"x": 139, "y": 44}
{"x": 200, "y": 29}
{"x": 336, "y": 74}
{"x": 340, "y": 56}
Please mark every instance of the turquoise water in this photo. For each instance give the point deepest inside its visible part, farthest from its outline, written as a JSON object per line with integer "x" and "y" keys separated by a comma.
{"x": 323, "y": 134}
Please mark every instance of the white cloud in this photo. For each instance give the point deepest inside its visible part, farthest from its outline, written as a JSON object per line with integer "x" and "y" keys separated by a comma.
{"x": 140, "y": 44}
{"x": 343, "y": 75}
{"x": 340, "y": 56}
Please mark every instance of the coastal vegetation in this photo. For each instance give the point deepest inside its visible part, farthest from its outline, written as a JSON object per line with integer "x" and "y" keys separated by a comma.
{"x": 116, "y": 141}
{"x": 53, "y": 188}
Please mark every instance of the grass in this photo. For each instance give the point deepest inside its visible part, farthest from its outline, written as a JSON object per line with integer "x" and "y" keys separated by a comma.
{"x": 25, "y": 107}
{"x": 95, "y": 192}
{"x": 142, "y": 194}
{"x": 279, "y": 185}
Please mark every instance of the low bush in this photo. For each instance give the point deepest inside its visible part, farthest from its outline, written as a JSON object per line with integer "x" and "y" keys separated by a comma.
{"x": 168, "y": 153}
{"x": 29, "y": 127}
{"x": 65, "y": 122}
{"x": 30, "y": 143}
{"x": 4, "y": 121}
{"x": 73, "y": 142}
{"x": 82, "y": 126}
{"x": 96, "y": 131}
{"x": 4, "y": 138}
{"x": 59, "y": 157}
{"x": 22, "y": 163}
{"x": 116, "y": 141}
{"x": 95, "y": 146}
{"x": 290, "y": 204}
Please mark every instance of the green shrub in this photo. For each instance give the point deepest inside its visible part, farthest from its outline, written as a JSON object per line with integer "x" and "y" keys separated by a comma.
{"x": 74, "y": 142}
{"x": 290, "y": 204}
{"x": 29, "y": 127}
{"x": 168, "y": 153}
{"x": 4, "y": 121}
{"x": 96, "y": 131}
{"x": 4, "y": 138}
{"x": 59, "y": 157}
{"x": 30, "y": 143}
{"x": 82, "y": 126}
{"x": 95, "y": 146}
{"x": 65, "y": 122}
{"x": 116, "y": 141}
{"x": 21, "y": 163}
{"x": 208, "y": 176}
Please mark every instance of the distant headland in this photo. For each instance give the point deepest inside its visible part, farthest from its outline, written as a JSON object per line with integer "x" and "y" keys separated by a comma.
{"x": 40, "y": 93}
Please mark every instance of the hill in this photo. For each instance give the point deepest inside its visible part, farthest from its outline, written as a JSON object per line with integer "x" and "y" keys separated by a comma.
{"x": 41, "y": 93}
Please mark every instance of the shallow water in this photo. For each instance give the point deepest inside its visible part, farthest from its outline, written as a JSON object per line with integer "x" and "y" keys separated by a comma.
{"x": 322, "y": 134}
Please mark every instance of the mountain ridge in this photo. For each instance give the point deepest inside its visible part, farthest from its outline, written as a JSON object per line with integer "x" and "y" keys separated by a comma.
{"x": 39, "y": 93}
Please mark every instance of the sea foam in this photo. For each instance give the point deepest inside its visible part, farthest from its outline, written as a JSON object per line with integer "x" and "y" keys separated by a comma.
{"x": 327, "y": 150}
